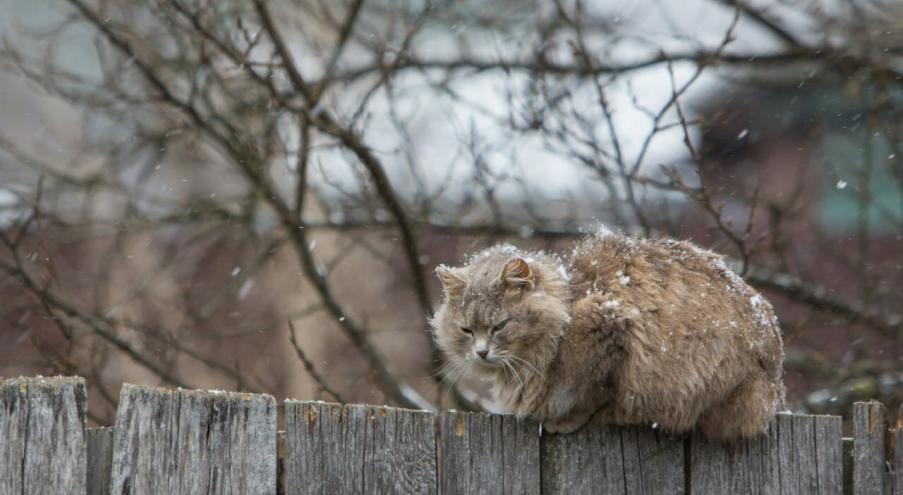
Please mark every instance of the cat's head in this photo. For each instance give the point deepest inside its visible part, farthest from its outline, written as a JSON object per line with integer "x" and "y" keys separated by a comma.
{"x": 503, "y": 307}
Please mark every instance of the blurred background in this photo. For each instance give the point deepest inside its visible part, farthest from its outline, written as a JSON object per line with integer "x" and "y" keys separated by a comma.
{"x": 253, "y": 195}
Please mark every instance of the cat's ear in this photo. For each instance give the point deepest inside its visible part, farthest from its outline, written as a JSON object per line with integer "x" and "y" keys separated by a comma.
{"x": 517, "y": 274}
{"x": 452, "y": 281}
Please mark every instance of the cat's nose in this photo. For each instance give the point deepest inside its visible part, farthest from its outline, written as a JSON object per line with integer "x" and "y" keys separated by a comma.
{"x": 483, "y": 353}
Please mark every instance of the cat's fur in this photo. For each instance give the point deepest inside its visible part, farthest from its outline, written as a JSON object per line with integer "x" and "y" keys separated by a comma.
{"x": 632, "y": 331}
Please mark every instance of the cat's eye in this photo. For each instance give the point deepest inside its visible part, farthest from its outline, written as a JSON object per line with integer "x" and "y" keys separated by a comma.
{"x": 500, "y": 325}
{"x": 467, "y": 330}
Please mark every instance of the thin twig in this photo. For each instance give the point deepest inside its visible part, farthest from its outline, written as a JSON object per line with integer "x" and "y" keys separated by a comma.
{"x": 309, "y": 366}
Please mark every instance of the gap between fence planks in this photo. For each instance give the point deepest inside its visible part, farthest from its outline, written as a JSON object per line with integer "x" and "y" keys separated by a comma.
{"x": 186, "y": 442}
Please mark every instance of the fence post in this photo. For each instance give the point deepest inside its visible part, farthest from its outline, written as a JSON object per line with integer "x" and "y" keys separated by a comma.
{"x": 336, "y": 449}
{"x": 180, "y": 441}
{"x": 869, "y": 428}
{"x": 483, "y": 453}
{"x": 897, "y": 444}
{"x": 751, "y": 465}
{"x": 609, "y": 459}
{"x": 42, "y": 435}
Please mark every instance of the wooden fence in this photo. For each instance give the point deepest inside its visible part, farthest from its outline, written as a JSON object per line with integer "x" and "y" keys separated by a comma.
{"x": 209, "y": 442}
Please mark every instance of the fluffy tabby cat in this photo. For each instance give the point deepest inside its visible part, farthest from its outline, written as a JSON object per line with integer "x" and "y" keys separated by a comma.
{"x": 630, "y": 331}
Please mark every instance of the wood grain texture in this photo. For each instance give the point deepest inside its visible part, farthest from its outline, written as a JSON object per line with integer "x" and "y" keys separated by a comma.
{"x": 608, "y": 459}
{"x": 803, "y": 427}
{"x": 799, "y": 454}
{"x": 42, "y": 435}
{"x": 897, "y": 473}
{"x": 197, "y": 442}
{"x": 829, "y": 453}
{"x": 747, "y": 467}
{"x": 336, "y": 449}
{"x": 788, "y": 468}
{"x": 869, "y": 428}
{"x": 100, "y": 460}
{"x": 193, "y": 442}
{"x": 482, "y": 453}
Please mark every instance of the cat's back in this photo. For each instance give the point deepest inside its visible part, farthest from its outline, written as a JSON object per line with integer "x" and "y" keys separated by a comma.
{"x": 655, "y": 268}
{"x": 690, "y": 335}
{"x": 673, "y": 290}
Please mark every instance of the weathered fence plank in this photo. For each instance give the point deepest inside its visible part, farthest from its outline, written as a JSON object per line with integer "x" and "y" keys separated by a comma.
{"x": 805, "y": 450}
{"x": 338, "y": 449}
{"x": 606, "y": 459}
{"x": 100, "y": 460}
{"x": 800, "y": 454}
{"x": 187, "y": 442}
{"x": 42, "y": 435}
{"x": 897, "y": 478}
{"x": 869, "y": 426}
{"x": 749, "y": 467}
{"x": 583, "y": 461}
{"x": 482, "y": 453}
{"x": 829, "y": 453}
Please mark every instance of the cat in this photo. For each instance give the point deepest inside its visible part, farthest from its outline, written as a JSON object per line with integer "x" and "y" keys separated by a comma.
{"x": 630, "y": 331}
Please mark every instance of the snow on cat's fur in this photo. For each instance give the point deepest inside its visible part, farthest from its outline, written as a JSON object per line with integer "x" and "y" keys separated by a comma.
{"x": 630, "y": 331}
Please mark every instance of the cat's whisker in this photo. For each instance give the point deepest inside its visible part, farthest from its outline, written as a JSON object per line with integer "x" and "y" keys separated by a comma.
{"x": 504, "y": 356}
{"x": 526, "y": 363}
{"x": 456, "y": 372}
{"x": 517, "y": 376}
{"x": 514, "y": 374}
{"x": 447, "y": 368}
{"x": 463, "y": 370}
{"x": 453, "y": 370}
{"x": 453, "y": 361}
{"x": 458, "y": 362}
{"x": 442, "y": 373}
{"x": 505, "y": 370}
